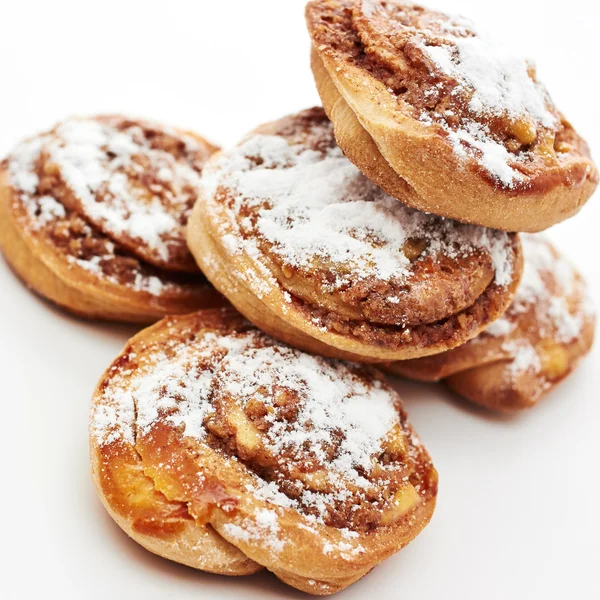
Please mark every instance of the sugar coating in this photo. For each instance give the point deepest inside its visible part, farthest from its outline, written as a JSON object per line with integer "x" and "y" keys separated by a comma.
{"x": 94, "y": 157}
{"x": 314, "y": 207}
{"x": 331, "y": 398}
{"x": 49, "y": 210}
{"x": 264, "y": 529}
{"x": 525, "y": 359}
{"x": 551, "y": 307}
{"x": 497, "y": 82}
{"x": 549, "y": 283}
{"x": 141, "y": 282}
{"x": 498, "y": 79}
{"x": 182, "y": 384}
{"x": 135, "y": 398}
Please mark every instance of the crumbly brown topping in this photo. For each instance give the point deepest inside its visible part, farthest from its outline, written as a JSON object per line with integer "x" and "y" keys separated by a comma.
{"x": 443, "y": 72}
{"x": 333, "y": 241}
{"x": 326, "y": 438}
{"x": 42, "y": 198}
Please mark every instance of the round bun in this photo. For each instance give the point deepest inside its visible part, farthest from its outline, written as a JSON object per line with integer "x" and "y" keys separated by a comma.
{"x": 314, "y": 253}
{"x": 445, "y": 119}
{"x": 93, "y": 213}
{"x": 216, "y": 446}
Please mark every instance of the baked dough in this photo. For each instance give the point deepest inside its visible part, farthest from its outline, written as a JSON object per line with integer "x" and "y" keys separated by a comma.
{"x": 215, "y": 446}
{"x": 444, "y": 118}
{"x": 539, "y": 340}
{"x": 93, "y": 214}
{"x": 315, "y": 254}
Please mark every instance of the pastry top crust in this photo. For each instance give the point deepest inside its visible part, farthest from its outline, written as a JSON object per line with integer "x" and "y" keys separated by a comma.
{"x": 548, "y": 327}
{"x": 51, "y": 218}
{"x": 319, "y": 228}
{"x": 441, "y": 76}
{"x": 134, "y": 181}
{"x": 270, "y": 445}
{"x": 88, "y": 252}
{"x": 85, "y": 254}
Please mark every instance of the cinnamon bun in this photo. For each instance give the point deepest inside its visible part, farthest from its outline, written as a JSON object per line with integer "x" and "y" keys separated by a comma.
{"x": 93, "y": 216}
{"x": 215, "y": 446}
{"x": 445, "y": 118}
{"x": 314, "y": 253}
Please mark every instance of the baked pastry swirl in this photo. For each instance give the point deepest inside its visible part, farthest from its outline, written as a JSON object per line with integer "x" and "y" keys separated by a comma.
{"x": 315, "y": 254}
{"x": 445, "y": 118}
{"x": 216, "y": 446}
{"x": 93, "y": 216}
{"x": 538, "y": 341}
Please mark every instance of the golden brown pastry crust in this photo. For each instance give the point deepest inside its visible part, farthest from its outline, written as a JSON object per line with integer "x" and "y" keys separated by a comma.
{"x": 312, "y": 252}
{"x": 397, "y": 115}
{"x": 57, "y": 251}
{"x": 196, "y": 443}
{"x": 541, "y": 338}
{"x": 161, "y": 526}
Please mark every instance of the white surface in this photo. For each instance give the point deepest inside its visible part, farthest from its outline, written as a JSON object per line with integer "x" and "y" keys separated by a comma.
{"x": 518, "y": 509}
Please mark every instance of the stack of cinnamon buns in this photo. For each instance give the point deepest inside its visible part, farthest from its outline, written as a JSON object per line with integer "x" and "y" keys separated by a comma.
{"x": 382, "y": 228}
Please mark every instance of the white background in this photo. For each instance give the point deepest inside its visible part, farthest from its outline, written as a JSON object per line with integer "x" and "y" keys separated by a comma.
{"x": 518, "y": 512}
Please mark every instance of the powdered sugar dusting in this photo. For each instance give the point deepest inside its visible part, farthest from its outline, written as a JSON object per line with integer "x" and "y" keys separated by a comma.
{"x": 548, "y": 282}
{"x": 552, "y": 295}
{"x": 50, "y": 209}
{"x": 21, "y": 165}
{"x": 178, "y": 383}
{"x": 498, "y": 79}
{"x": 474, "y": 141}
{"x": 141, "y": 282}
{"x": 525, "y": 359}
{"x": 493, "y": 81}
{"x": 330, "y": 399}
{"x": 314, "y": 207}
{"x": 113, "y": 419}
{"x": 500, "y": 327}
{"x": 264, "y": 528}
{"x": 568, "y": 326}
{"x": 341, "y": 417}
{"x": 95, "y": 158}
{"x": 42, "y": 210}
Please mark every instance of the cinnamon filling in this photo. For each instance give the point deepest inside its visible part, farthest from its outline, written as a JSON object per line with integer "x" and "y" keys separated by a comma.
{"x": 354, "y": 260}
{"x": 47, "y": 172}
{"x": 282, "y": 425}
{"x": 425, "y": 59}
